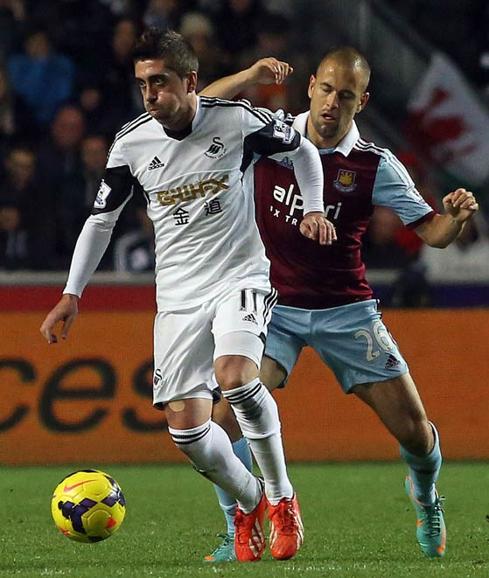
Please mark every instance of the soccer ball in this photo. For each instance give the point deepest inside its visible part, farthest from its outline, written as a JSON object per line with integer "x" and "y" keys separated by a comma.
{"x": 88, "y": 506}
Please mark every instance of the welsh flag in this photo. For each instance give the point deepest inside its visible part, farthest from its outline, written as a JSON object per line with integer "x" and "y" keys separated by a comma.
{"x": 448, "y": 124}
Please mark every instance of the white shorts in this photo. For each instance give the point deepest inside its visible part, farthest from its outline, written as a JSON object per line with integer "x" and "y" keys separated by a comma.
{"x": 187, "y": 342}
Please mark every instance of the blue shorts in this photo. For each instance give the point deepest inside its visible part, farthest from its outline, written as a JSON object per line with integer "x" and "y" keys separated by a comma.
{"x": 351, "y": 339}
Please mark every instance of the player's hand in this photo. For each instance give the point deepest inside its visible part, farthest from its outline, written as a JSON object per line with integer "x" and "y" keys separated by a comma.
{"x": 315, "y": 226}
{"x": 65, "y": 311}
{"x": 460, "y": 204}
{"x": 268, "y": 71}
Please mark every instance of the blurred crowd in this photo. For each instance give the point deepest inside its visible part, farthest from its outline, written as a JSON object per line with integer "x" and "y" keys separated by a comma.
{"x": 66, "y": 87}
{"x": 460, "y": 29}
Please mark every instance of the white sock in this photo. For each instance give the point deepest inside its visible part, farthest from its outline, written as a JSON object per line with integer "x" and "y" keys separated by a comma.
{"x": 209, "y": 448}
{"x": 257, "y": 415}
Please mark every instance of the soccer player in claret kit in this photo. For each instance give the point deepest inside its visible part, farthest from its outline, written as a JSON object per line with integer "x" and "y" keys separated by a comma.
{"x": 325, "y": 301}
{"x": 190, "y": 156}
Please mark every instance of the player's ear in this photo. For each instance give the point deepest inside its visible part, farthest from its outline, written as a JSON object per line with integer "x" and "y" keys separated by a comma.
{"x": 363, "y": 101}
{"x": 191, "y": 81}
{"x": 312, "y": 84}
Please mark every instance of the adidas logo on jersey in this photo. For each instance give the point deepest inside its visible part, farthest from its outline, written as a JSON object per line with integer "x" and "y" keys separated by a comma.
{"x": 250, "y": 317}
{"x": 391, "y": 362}
{"x": 155, "y": 164}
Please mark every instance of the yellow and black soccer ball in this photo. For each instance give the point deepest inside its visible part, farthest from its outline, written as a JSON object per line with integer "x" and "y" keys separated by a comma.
{"x": 88, "y": 506}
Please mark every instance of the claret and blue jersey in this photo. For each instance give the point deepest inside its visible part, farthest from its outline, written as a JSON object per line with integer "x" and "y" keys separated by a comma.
{"x": 357, "y": 176}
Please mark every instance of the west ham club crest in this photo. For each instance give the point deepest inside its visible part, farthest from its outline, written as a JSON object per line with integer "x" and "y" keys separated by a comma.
{"x": 345, "y": 181}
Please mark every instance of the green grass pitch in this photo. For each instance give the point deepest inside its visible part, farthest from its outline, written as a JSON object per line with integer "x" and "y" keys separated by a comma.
{"x": 358, "y": 523}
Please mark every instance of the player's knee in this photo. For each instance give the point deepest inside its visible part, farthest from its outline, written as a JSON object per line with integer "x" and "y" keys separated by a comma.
{"x": 230, "y": 380}
{"x": 272, "y": 374}
{"x": 417, "y": 436}
{"x": 233, "y": 371}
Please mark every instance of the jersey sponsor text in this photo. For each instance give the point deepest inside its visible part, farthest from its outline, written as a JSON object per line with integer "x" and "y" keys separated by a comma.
{"x": 193, "y": 191}
{"x": 294, "y": 202}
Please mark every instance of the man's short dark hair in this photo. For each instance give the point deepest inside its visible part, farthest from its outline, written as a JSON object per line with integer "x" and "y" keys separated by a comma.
{"x": 178, "y": 54}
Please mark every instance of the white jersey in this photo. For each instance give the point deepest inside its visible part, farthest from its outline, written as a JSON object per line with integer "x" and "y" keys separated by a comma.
{"x": 198, "y": 198}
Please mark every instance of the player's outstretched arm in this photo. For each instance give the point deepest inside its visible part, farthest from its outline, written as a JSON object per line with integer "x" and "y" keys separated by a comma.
{"x": 65, "y": 311}
{"x": 89, "y": 249}
{"x": 316, "y": 227}
{"x": 264, "y": 71}
{"x": 310, "y": 178}
{"x": 460, "y": 206}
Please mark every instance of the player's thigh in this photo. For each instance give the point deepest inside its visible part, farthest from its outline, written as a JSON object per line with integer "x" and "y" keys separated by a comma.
{"x": 398, "y": 405}
{"x": 396, "y": 401}
{"x": 188, "y": 413}
{"x": 355, "y": 343}
{"x": 288, "y": 332}
{"x": 240, "y": 329}
{"x": 183, "y": 350}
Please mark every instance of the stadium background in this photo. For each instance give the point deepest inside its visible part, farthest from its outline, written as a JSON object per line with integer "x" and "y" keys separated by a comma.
{"x": 65, "y": 89}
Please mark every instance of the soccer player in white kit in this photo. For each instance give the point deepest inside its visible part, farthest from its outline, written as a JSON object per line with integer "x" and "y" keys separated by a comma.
{"x": 190, "y": 155}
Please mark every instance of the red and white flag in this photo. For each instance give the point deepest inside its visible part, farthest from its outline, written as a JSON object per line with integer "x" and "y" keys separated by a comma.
{"x": 448, "y": 123}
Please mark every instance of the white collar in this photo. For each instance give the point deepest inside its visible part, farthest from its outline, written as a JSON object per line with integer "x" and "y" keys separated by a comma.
{"x": 198, "y": 113}
{"x": 346, "y": 144}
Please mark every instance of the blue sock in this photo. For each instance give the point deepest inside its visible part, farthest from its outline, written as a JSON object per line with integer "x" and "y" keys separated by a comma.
{"x": 226, "y": 502}
{"x": 424, "y": 471}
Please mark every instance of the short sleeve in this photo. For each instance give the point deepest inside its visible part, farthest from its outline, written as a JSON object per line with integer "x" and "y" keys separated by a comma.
{"x": 395, "y": 189}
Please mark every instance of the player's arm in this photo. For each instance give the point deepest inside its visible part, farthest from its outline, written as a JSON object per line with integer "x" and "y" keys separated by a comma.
{"x": 439, "y": 232}
{"x": 264, "y": 71}
{"x": 268, "y": 136}
{"x": 115, "y": 191}
{"x": 395, "y": 189}
{"x": 309, "y": 174}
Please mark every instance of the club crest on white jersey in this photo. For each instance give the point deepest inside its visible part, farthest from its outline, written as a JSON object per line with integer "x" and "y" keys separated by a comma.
{"x": 216, "y": 150}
